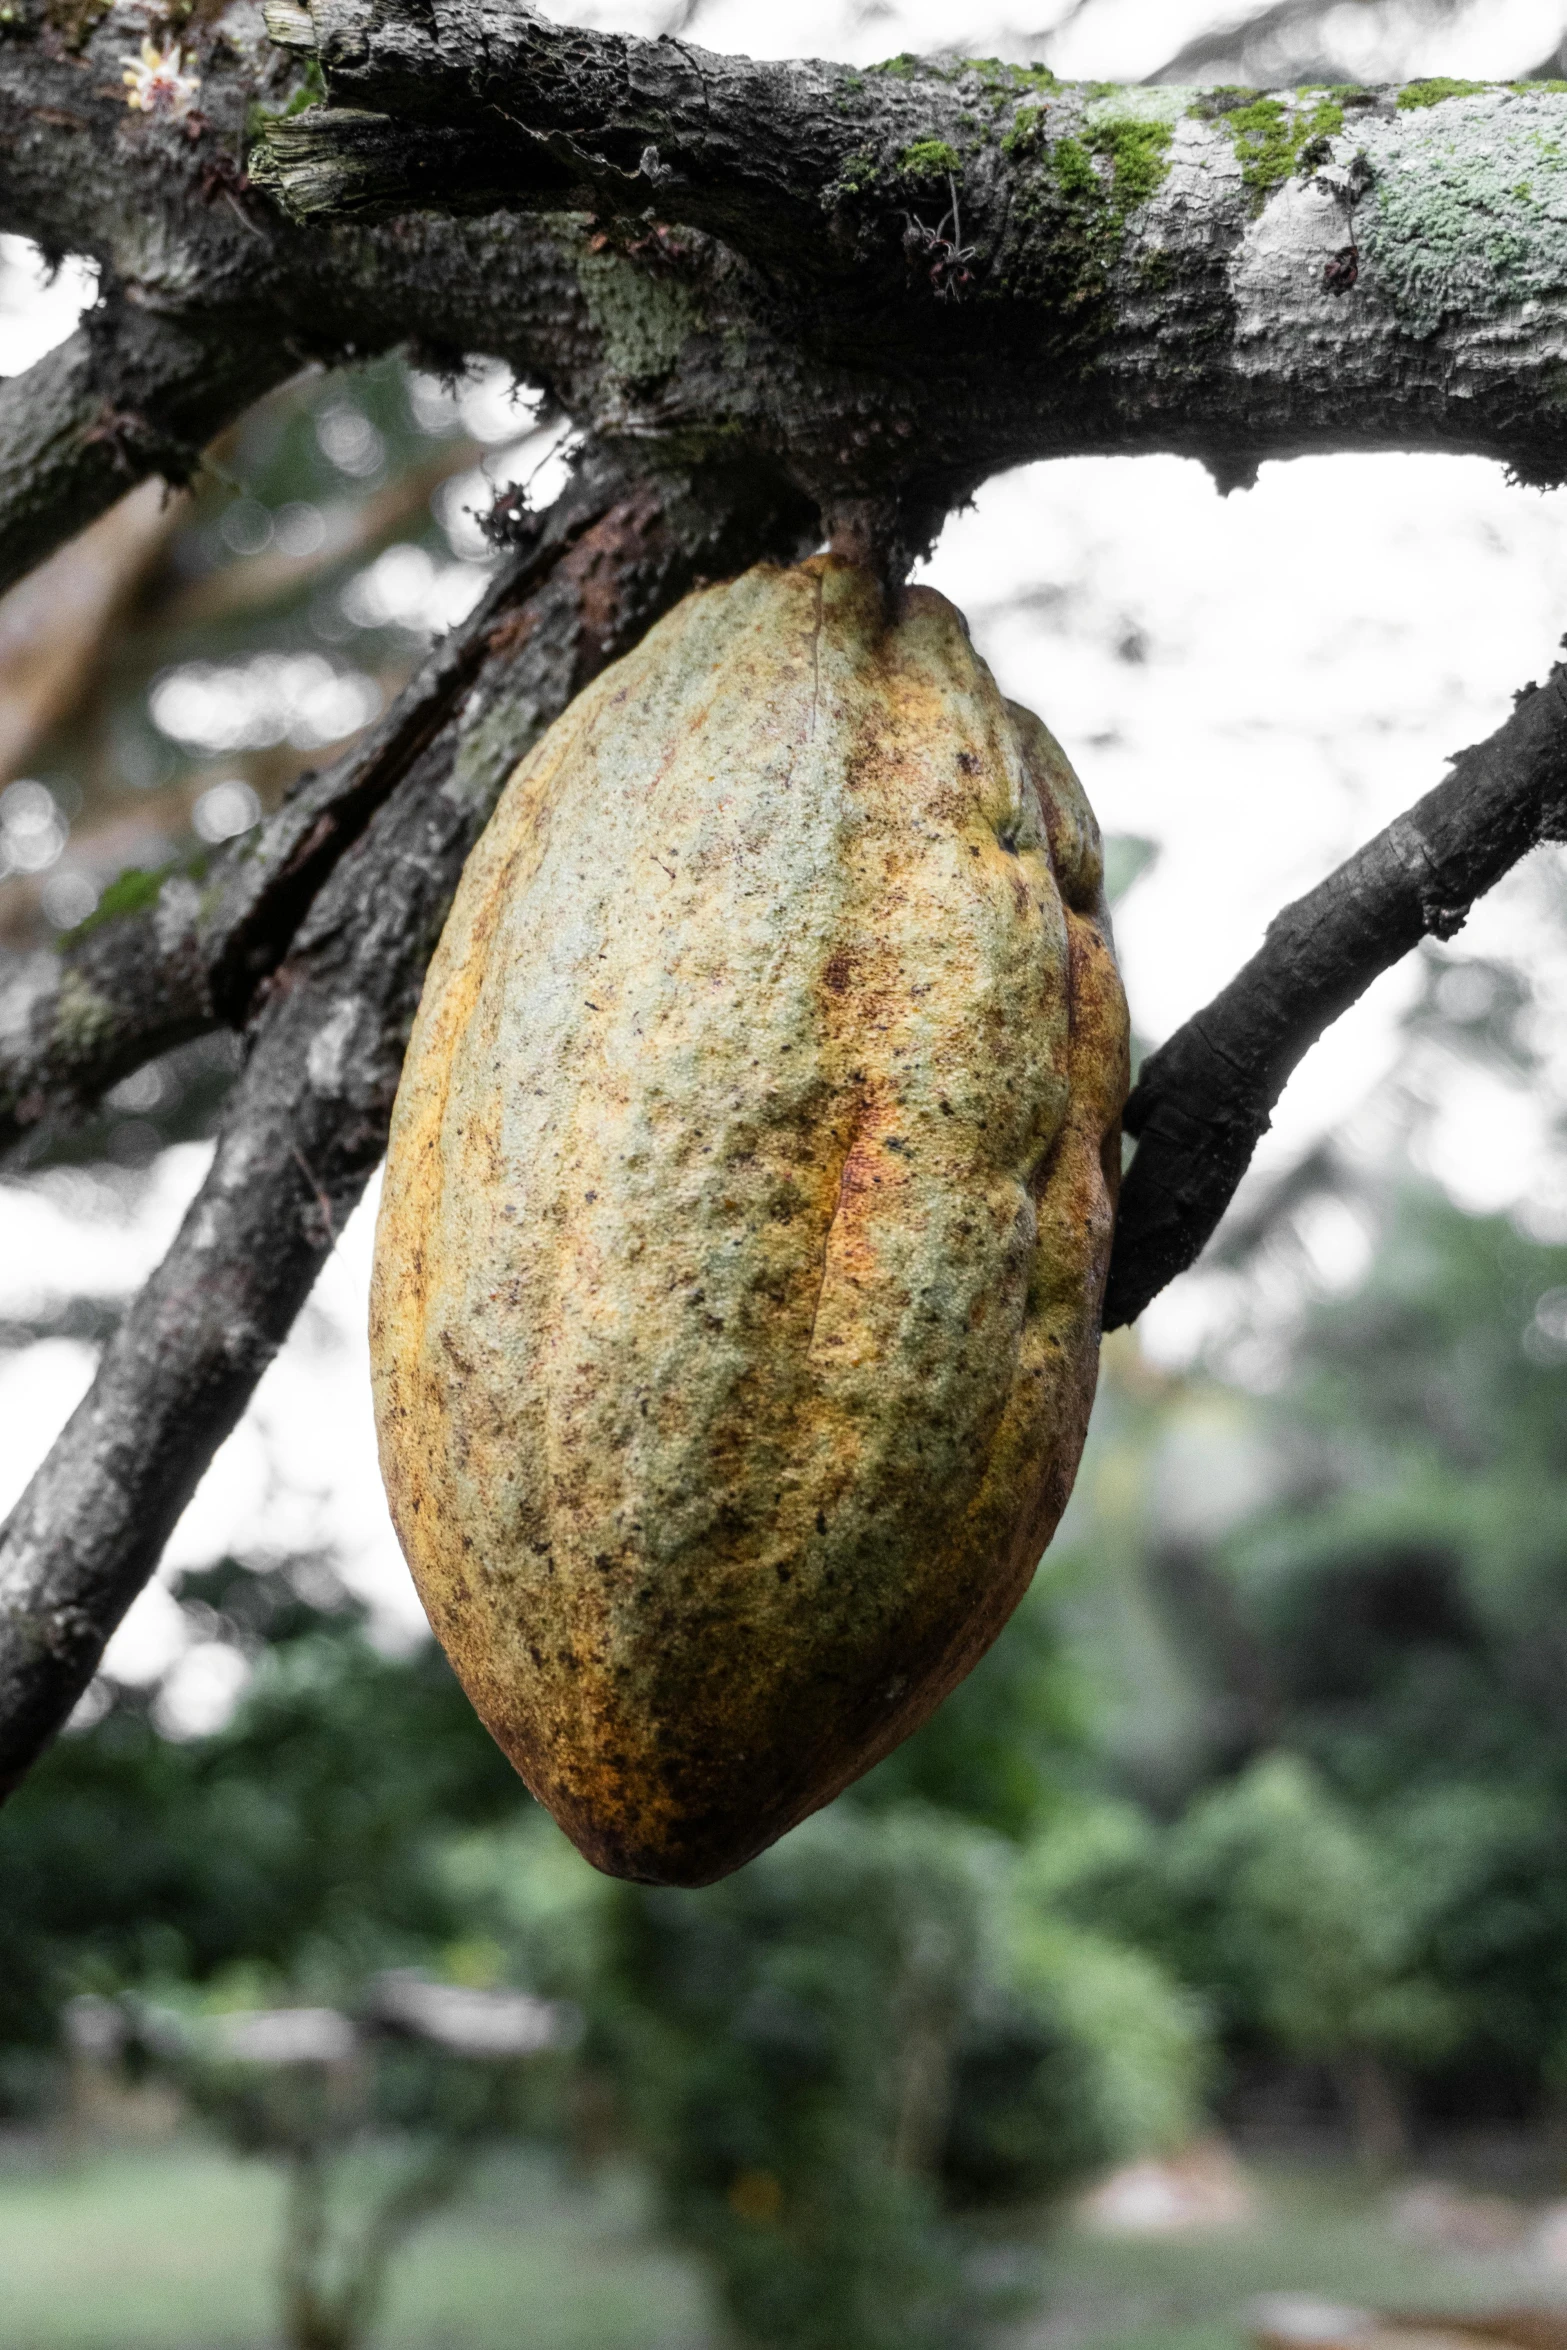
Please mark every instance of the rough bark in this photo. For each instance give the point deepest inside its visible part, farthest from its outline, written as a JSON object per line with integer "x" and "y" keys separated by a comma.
{"x": 882, "y": 285}
{"x": 1019, "y": 268}
{"x": 209, "y": 296}
{"x": 306, "y": 1123}
{"x": 1204, "y": 1100}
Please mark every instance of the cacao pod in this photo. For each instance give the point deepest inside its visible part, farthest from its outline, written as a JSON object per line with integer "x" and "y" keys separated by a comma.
{"x": 747, "y": 1212}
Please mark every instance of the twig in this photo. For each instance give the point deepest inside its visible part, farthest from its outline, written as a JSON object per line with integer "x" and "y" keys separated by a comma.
{"x": 328, "y": 1224}
{"x": 1204, "y": 1100}
{"x": 133, "y": 395}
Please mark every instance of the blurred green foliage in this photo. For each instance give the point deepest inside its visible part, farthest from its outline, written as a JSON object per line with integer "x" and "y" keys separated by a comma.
{"x": 1350, "y": 1837}
{"x": 879, "y": 2021}
{"x": 1268, "y": 1780}
{"x": 787, "y": 2039}
{"x": 302, "y": 1843}
{"x": 876, "y": 2023}
{"x": 372, "y": 2146}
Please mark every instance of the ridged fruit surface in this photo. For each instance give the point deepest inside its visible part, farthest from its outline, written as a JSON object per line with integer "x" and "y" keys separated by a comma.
{"x": 747, "y": 1212}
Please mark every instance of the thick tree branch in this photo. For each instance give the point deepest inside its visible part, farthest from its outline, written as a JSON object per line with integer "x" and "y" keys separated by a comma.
{"x": 306, "y": 1123}
{"x": 1204, "y": 1100}
{"x": 500, "y": 106}
{"x": 882, "y": 286}
{"x": 1023, "y": 267}
{"x": 209, "y": 296}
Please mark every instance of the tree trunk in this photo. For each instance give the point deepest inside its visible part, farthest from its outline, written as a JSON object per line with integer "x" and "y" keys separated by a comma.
{"x": 1379, "y": 2128}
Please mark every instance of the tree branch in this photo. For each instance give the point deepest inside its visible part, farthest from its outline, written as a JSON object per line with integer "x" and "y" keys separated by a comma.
{"x": 130, "y": 394}
{"x": 200, "y": 947}
{"x": 540, "y": 116}
{"x": 210, "y": 297}
{"x": 307, "y": 1121}
{"x": 881, "y": 286}
{"x": 1021, "y": 267}
{"x": 1204, "y": 1100}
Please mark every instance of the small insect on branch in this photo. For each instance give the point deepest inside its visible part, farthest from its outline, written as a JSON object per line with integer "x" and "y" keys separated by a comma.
{"x": 945, "y": 256}
{"x": 1341, "y": 272}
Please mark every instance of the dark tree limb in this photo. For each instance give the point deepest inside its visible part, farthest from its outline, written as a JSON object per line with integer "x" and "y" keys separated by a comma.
{"x": 463, "y": 107}
{"x": 209, "y": 296}
{"x": 306, "y": 1123}
{"x": 128, "y": 395}
{"x": 1204, "y": 1100}
{"x": 1020, "y": 266}
{"x": 202, "y": 946}
{"x": 879, "y": 286}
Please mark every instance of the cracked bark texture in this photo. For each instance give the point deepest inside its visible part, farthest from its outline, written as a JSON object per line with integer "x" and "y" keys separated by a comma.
{"x": 766, "y": 294}
{"x": 1011, "y": 268}
{"x": 882, "y": 285}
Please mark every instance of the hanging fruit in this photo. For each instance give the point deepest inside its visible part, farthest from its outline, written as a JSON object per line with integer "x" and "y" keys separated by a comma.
{"x": 747, "y": 1213}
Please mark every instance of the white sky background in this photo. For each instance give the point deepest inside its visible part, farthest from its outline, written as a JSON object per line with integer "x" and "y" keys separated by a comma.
{"x": 1307, "y": 654}
{"x": 1087, "y": 40}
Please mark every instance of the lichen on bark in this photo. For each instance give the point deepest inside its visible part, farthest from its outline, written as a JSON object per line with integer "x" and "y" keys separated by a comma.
{"x": 645, "y": 316}
{"x": 1468, "y": 212}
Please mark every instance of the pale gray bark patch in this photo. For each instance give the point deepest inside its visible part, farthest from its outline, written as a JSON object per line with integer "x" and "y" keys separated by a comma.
{"x": 1469, "y": 217}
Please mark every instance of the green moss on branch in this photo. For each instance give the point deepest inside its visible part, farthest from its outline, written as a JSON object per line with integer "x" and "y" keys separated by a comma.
{"x": 1271, "y": 134}
{"x": 928, "y": 159}
{"x": 129, "y": 893}
{"x": 1436, "y": 92}
{"x": 1138, "y": 152}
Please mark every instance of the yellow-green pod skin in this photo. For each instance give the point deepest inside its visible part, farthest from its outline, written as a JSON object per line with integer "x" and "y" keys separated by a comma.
{"x": 747, "y": 1212}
